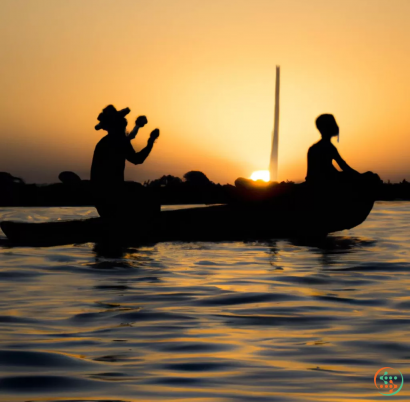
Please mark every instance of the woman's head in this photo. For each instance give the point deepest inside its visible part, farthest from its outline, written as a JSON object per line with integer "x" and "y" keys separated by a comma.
{"x": 327, "y": 125}
{"x": 112, "y": 120}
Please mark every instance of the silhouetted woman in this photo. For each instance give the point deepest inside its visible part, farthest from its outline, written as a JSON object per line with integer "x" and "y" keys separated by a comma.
{"x": 322, "y": 154}
{"x": 325, "y": 179}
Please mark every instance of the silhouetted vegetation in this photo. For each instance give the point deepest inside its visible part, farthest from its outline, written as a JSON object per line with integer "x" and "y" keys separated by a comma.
{"x": 394, "y": 191}
{"x": 70, "y": 192}
{"x": 193, "y": 188}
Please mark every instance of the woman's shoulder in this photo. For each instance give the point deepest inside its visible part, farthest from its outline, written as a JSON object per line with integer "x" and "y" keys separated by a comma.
{"x": 328, "y": 146}
{"x": 316, "y": 145}
{"x": 333, "y": 148}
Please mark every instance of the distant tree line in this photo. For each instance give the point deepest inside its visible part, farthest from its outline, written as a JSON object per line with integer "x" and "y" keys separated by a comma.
{"x": 193, "y": 188}
{"x": 395, "y": 191}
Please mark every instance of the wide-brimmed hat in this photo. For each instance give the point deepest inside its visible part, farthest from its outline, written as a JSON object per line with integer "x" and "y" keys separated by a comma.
{"x": 109, "y": 115}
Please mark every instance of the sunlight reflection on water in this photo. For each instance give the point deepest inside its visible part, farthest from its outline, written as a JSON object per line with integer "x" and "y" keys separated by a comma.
{"x": 254, "y": 321}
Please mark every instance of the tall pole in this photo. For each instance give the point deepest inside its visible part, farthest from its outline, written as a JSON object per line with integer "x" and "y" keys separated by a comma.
{"x": 273, "y": 166}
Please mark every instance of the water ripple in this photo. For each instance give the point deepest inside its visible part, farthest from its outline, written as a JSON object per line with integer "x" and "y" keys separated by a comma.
{"x": 274, "y": 320}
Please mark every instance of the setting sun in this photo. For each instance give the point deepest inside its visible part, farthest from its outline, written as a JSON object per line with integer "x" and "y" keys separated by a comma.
{"x": 261, "y": 175}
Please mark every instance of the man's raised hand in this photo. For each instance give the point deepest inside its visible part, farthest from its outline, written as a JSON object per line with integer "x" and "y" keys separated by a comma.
{"x": 141, "y": 121}
{"x": 154, "y": 135}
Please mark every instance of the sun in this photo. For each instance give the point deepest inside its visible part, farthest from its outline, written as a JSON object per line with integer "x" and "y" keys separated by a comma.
{"x": 261, "y": 175}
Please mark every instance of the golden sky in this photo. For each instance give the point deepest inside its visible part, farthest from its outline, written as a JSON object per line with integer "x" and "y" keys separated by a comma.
{"x": 203, "y": 71}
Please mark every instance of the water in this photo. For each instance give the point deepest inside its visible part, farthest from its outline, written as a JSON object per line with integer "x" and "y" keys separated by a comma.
{"x": 232, "y": 321}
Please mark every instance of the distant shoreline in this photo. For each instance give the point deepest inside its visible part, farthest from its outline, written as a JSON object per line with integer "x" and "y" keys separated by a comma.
{"x": 195, "y": 188}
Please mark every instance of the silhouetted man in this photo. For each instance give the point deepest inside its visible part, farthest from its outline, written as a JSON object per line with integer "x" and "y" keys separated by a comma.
{"x": 107, "y": 170}
{"x": 323, "y": 153}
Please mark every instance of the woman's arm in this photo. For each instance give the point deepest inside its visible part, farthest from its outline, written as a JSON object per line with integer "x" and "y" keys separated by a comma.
{"x": 342, "y": 164}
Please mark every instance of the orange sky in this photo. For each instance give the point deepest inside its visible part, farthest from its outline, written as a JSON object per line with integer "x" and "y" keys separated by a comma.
{"x": 203, "y": 72}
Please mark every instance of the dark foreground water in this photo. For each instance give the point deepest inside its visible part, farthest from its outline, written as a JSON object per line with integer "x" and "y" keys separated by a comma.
{"x": 257, "y": 321}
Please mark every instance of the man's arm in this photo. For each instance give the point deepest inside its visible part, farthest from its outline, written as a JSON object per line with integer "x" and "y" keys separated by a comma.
{"x": 140, "y": 122}
{"x": 138, "y": 158}
{"x": 133, "y": 133}
{"x": 342, "y": 164}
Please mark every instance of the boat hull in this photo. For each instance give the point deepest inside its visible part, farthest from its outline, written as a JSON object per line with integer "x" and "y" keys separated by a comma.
{"x": 214, "y": 223}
